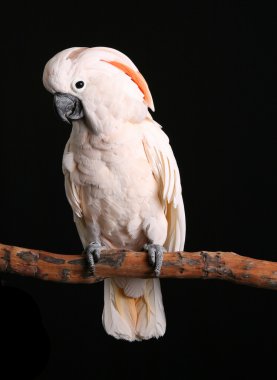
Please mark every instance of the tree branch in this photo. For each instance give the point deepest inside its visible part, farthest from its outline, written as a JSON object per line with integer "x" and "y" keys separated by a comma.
{"x": 202, "y": 265}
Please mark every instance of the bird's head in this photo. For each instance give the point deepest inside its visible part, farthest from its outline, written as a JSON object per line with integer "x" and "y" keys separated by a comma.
{"x": 100, "y": 85}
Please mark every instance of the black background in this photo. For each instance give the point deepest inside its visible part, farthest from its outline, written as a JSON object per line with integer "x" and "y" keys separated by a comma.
{"x": 211, "y": 73}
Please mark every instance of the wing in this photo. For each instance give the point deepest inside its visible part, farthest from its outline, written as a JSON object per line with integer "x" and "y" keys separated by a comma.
{"x": 73, "y": 192}
{"x": 166, "y": 173}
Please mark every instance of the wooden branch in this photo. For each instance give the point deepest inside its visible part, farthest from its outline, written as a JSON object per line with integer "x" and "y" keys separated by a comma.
{"x": 202, "y": 265}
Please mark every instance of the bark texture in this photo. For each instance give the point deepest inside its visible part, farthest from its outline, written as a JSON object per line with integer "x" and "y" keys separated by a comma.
{"x": 227, "y": 266}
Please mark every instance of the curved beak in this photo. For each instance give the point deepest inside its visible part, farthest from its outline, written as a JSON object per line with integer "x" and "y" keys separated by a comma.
{"x": 68, "y": 107}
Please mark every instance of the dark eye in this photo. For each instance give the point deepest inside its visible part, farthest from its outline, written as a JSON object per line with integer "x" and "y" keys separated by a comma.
{"x": 79, "y": 84}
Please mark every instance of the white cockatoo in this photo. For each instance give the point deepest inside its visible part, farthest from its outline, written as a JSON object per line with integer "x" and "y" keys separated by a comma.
{"x": 121, "y": 178}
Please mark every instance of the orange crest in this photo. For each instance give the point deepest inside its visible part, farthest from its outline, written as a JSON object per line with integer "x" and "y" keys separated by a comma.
{"x": 138, "y": 79}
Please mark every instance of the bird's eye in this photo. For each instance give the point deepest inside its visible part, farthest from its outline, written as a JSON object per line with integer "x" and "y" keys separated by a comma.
{"x": 80, "y": 84}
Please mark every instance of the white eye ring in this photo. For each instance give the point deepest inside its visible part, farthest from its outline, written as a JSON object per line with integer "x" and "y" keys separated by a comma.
{"x": 78, "y": 85}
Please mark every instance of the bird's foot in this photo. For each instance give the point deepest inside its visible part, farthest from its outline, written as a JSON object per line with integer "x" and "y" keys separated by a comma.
{"x": 92, "y": 253}
{"x": 155, "y": 252}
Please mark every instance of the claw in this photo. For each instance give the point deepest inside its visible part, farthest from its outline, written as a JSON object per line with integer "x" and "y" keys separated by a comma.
{"x": 92, "y": 253}
{"x": 155, "y": 252}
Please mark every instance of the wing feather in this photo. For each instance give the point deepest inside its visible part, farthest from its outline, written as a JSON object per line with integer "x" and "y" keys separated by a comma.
{"x": 71, "y": 189}
{"x": 165, "y": 170}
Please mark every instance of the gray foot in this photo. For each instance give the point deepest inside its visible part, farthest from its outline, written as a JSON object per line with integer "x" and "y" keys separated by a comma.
{"x": 92, "y": 253}
{"x": 155, "y": 252}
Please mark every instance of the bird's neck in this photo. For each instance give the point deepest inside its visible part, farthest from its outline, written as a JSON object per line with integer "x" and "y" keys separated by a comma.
{"x": 84, "y": 136}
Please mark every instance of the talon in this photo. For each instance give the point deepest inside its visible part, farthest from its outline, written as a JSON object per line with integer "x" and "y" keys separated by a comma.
{"x": 92, "y": 253}
{"x": 90, "y": 261}
{"x": 155, "y": 252}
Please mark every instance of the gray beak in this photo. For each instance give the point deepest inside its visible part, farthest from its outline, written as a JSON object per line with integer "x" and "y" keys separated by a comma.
{"x": 68, "y": 107}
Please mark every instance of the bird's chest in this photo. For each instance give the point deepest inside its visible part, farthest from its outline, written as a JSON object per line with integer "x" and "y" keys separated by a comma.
{"x": 113, "y": 178}
{"x": 111, "y": 172}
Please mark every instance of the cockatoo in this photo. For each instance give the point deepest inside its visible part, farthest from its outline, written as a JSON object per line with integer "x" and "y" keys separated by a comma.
{"x": 121, "y": 178}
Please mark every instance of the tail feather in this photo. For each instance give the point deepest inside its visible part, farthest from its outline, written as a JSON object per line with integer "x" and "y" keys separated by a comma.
{"x": 129, "y": 318}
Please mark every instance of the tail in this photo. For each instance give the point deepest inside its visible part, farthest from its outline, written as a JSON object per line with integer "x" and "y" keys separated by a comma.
{"x": 133, "y": 308}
